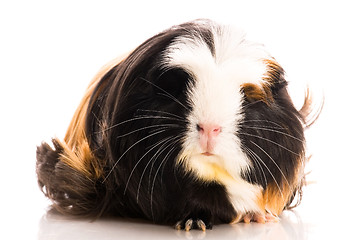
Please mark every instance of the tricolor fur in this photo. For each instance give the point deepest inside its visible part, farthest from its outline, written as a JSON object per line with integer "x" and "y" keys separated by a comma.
{"x": 139, "y": 144}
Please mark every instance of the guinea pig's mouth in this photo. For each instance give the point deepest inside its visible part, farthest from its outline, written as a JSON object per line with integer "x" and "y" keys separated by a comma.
{"x": 208, "y": 154}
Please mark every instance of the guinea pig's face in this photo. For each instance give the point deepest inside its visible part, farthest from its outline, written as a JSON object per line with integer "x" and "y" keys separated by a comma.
{"x": 223, "y": 73}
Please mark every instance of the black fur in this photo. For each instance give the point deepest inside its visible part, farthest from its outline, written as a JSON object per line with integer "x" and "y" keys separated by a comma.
{"x": 72, "y": 192}
{"x": 132, "y": 125}
{"x": 140, "y": 93}
{"x": 272, "y": 136}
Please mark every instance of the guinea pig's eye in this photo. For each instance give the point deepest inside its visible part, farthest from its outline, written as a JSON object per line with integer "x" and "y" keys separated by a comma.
{"x": 173, "y": 82}
{"x": 254, "y": 93}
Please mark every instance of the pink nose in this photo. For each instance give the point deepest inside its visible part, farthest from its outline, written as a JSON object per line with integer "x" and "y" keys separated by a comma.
{"x": 207, "y": 136}
{"x": 211, "y": 130}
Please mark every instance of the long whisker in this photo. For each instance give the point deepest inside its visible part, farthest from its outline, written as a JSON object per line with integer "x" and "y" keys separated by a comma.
{"x": 283, "y": 175}
{"x": 252, "y": 103}
{"x": 138, "y": 162}
{"x": 175, "y": 139}
{"x": 164, "y": 126}
{"x": 135, "y": 119}
{"x": 280, "y": 127}
{"x": 261, "y": 161}
{"x": 265, "y": 126}
{"x": 273, "y": 130}
{"x": 163, "y": 112}
{"x": 264, "y": 121}
{"x": 258, "y": 165}
{"x": 167, "y": 94}
{"x": 144, "y": 138}
{"x": 268, "y": 140}
{"x": 153, "y": 158}
{"x": 150, "y": 146}
{"x": 97, "y": 120}
{"x": 155, "y": 176}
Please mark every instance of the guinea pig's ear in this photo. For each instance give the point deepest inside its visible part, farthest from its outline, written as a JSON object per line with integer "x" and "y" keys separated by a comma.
{"x": 254, "y": 92}
{"x": 273, "y": 82}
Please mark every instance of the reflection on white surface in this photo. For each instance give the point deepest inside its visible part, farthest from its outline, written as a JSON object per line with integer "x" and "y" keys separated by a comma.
{"x": 54, "y": 226}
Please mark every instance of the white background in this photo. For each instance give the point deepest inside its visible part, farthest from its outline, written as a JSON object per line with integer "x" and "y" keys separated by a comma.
{"x": 50, "y": 50}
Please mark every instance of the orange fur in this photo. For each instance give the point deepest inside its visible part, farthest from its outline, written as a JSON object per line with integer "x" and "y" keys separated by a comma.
{"x": 77, "y": 153}
{"x": 275, "y": 200}
{"x": 278, "y": 197}
{"x": 254, "y": 92}
{"x": 274, "y": 70}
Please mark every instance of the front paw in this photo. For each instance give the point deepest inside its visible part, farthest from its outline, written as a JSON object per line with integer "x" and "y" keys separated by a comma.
{"x": 256, "y": 217}
{"x": 193, "y": 223}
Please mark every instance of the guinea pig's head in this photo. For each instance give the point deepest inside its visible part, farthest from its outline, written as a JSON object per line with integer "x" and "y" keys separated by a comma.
{"x": 203, "y": 94}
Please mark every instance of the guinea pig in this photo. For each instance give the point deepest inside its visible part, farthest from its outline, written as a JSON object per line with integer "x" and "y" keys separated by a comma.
{"x": 194, "y": 127}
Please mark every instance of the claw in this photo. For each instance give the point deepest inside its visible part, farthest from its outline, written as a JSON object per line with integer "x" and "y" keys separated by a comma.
{"x": 193, "y": 223}
{"x": 188, "y": 225}
{"x": 178, "y": 225}
{"x": 201, "y": 225}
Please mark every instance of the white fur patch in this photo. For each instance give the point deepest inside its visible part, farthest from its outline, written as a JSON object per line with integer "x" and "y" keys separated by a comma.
{"x": 216, "y": 98}
{"x": 244, "y": 196}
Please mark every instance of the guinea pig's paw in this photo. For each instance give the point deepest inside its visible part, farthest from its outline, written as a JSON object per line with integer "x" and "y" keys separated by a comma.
{"x": 257, "y": 217}
{"x": 254, "y": 217}
{"x": 193, "y": 223}
{"x": 271, "y": 218}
